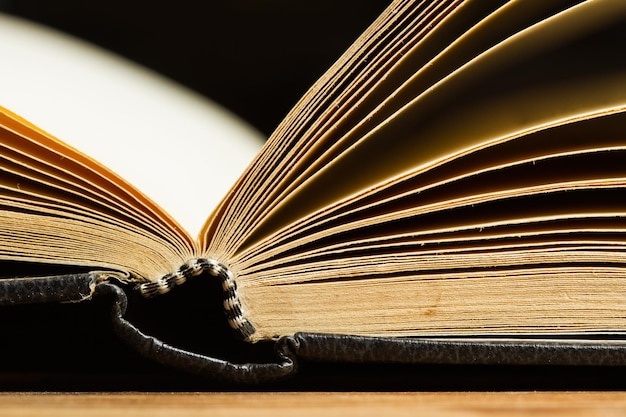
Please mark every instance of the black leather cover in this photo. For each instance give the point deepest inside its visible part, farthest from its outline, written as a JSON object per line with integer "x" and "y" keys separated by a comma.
{"x": 214, "y": 368}
{"x": 342, "y": 348}
{"x": 346, "y": 348}
{"x": 57, "y": 288}
{"x": 310, "y": 346}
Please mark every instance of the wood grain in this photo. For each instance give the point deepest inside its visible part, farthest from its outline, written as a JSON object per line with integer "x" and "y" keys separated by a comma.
{"x": 570, "y": 404}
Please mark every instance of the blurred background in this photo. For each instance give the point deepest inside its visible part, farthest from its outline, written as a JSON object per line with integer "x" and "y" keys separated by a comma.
{"x": 254, "y": 57}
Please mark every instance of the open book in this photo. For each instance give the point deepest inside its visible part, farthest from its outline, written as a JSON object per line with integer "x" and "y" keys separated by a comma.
{"x": 458, "y": 176}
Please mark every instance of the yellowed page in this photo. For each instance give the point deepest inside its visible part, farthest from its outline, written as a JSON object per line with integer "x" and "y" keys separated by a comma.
{"x": 60, "y": 206}
{"x": 461, "y": 113}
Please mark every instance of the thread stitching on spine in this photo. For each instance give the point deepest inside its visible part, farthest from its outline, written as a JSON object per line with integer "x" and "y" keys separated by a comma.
{"x": 194, "y": 268}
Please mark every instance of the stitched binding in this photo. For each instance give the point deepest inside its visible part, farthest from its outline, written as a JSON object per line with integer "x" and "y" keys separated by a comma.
{"x": 194, "y": 268}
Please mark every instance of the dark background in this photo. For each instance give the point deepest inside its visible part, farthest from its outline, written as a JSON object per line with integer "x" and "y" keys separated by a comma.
{"x": 256, "y": 57}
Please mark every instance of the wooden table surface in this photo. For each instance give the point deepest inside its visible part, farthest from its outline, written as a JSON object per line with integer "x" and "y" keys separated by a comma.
{"x": 537, "y": 404}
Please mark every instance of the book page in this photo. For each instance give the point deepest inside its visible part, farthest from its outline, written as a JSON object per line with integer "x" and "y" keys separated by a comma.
{"x": 456, "y": 204}
{"x": 515, "y": 87}
{"x": 178, "y": 148}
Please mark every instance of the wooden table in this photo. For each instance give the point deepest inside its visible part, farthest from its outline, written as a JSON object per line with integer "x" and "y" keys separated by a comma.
{"x": 537, "y": 404}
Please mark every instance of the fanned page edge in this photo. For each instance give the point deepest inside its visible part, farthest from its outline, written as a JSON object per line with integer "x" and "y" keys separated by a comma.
{"x": 248, "y": 298}
{"x": 226, "y": 224}
{"x": 388, "y": 93}
{"x": 111, "y": 179}
{"x": 383, "y": 204}
{"x": 513, "y": 117}
{"x": 159, "y": 229}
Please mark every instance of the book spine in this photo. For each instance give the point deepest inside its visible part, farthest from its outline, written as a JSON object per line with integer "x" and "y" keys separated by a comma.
{"x": 57, "y": 288}
{"x": 194, "y": 268}
{"x": 214, "y": 368}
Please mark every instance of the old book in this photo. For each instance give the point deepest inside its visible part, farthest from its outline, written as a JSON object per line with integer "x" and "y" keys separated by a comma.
{"x": 454, "y": 183}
